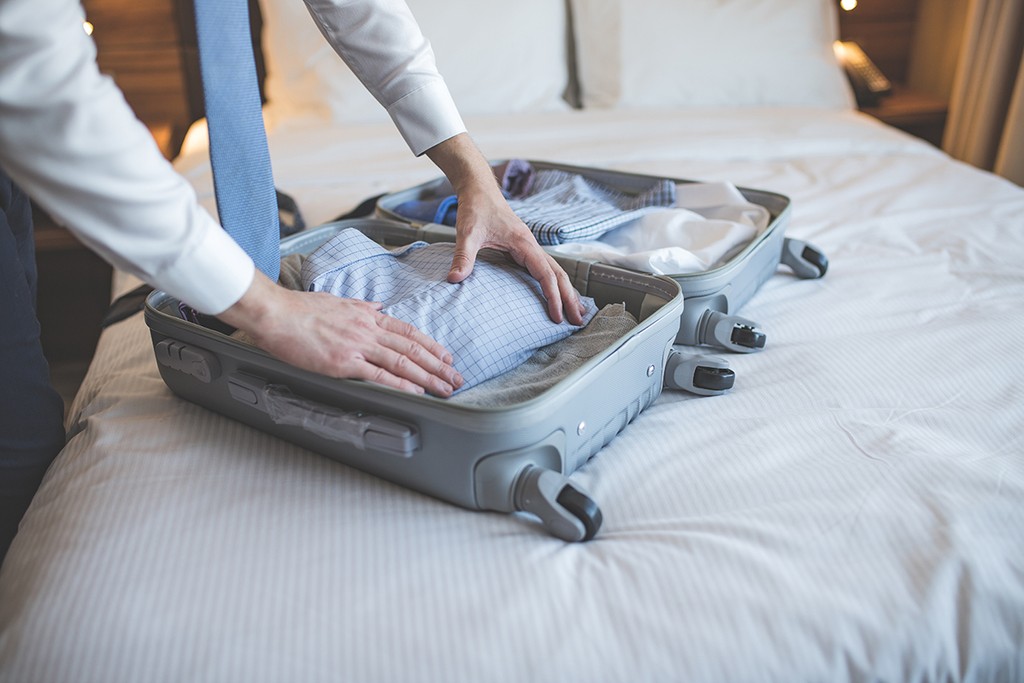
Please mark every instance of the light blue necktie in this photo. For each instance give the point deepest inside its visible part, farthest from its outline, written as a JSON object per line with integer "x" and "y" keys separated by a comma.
{"x": 242, "y": 178}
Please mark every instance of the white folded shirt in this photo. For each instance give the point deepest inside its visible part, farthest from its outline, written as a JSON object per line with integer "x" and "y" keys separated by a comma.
{"x": 710, "y": 223}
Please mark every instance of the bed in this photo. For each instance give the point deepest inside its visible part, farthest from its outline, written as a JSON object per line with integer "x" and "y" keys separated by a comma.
{"x": 850, "y": 511}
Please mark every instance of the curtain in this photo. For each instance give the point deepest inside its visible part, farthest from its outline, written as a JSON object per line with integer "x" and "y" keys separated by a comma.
{"x": 1010, "y": 158}
{"x": 986, "y": 112}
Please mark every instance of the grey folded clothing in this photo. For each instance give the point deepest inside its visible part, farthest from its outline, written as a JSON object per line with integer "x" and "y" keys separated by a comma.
{"x": 291, "y": 271}
{"x": 550, "y": 364}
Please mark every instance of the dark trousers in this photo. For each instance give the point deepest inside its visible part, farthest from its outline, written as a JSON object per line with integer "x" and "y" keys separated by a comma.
{"x": 31, "y": 412}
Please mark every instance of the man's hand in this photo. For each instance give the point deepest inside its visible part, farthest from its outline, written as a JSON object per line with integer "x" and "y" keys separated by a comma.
{"x": 342, "y": 338}
{"x": 485, "y": 220}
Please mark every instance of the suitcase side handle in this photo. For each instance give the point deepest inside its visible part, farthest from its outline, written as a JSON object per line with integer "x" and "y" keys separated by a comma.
{"x": 362, "y": 430}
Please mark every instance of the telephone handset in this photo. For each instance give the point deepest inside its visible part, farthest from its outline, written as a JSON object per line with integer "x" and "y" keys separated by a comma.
{"x": 869, "y": 84}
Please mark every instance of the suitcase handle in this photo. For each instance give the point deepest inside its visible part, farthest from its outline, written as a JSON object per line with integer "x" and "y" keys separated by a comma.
{"x": 362, "y": 430}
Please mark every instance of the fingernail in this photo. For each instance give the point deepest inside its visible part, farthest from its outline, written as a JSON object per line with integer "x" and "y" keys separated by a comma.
{"x": 457, "y": 379}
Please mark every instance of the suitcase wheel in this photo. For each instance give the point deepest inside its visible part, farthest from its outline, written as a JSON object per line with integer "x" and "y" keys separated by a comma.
{"x": 816, "y": 258}
{"x": 731, "y": 332}
{"x": 807, "y": 261}
{"x": 585, "y": 509}
{"x": 691, "y": 370}
{"x": 565, "y": 510}
{"x": 714, "y": 380}
{"x": 749, "y": 337}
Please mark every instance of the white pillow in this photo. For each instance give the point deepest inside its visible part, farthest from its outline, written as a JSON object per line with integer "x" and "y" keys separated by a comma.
{"x": 704, "y": 53}
{"x": 496, "y": 57}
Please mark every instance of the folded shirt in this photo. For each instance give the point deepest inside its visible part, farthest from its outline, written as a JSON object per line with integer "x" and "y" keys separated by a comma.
{"x": 723, "y": 201}
{"x": 557, "y": 206}
{"x": 668, "y": 229}
{"x": 716, "y": 224}
{"x": 491, "y": 322}
{"x": 564, "y": 207}
{"x": 666, "y": 242}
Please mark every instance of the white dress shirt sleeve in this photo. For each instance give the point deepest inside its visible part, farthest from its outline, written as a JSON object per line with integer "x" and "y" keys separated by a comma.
{"x": 385, "y": 48}
{"x": 68, "y": 138}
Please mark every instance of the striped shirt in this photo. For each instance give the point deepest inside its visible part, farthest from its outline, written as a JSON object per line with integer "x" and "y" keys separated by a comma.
{"x": 564, "y": 207}
{"x": 491, "y": 322}
{"x": 557, "y": 206}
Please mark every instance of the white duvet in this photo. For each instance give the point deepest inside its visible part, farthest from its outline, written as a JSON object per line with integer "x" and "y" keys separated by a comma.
{"x": 852, "y": 511}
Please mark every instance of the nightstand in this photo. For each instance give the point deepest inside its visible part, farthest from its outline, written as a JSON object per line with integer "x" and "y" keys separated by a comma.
{"x": 912, "y": 111}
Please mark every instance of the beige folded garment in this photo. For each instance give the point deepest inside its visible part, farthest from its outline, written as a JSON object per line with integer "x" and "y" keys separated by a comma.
{"x": 549, "y": 365}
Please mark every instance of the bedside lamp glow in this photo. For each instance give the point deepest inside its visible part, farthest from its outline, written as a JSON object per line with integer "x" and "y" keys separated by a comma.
{"x": 87, "y": 27}
{"x": 848, "y": 5}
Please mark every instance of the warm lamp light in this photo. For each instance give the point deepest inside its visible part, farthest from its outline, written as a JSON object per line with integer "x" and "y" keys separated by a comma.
{"x": 87, "y": 27}
{"x": 848, "y": 5}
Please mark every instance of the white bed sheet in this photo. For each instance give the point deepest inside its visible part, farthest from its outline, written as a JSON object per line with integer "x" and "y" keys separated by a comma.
{"x": 852, "y": 511}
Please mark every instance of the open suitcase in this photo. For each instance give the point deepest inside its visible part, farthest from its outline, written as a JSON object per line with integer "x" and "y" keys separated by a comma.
{"x": 712, "y": 297}
{"x": 513, "y": 458}
{"x": 509, "y": 458}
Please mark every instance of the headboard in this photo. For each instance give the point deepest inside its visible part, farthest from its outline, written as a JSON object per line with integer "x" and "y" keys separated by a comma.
{"x": 149, "y": 48}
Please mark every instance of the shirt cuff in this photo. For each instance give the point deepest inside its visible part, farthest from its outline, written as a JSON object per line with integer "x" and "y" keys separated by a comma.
{"x": 427, "y": 117}
{"x": 213, "y": 276}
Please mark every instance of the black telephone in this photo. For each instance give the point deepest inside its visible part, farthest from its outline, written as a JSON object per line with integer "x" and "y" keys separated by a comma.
{"x": 869, "y": 84}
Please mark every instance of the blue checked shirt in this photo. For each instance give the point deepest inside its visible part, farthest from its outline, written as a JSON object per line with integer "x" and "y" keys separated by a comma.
{"x": 491, "y": 322}
{"x": 565, "y": 207}
{"x": 557, "y": 206}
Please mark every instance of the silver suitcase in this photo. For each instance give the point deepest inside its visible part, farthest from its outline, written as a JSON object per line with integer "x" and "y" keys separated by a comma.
{"x": 509, "y": 459}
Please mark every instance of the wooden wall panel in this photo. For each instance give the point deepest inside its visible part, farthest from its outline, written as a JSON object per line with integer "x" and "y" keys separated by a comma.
{"x": 123, "y": 24}
{"x": 139, "y": 44}
{"x": 149, "y": 48}
{"x": 152, "y": 81}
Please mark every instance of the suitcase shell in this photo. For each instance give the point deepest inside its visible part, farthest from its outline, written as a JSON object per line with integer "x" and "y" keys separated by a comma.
{"x": 712, "y": 297}
{"x": 509, "y": 458}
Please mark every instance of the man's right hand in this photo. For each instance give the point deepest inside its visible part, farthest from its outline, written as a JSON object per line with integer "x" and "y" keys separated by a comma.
{"x": 342, "y": 338}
